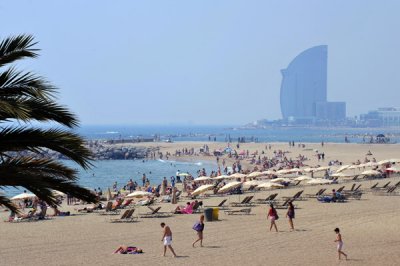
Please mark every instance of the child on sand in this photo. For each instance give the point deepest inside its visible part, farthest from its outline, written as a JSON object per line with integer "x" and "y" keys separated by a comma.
{"x": 339, "y": 243}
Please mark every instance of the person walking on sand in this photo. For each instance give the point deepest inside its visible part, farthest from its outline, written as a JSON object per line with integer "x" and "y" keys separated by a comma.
{"x": 167, "y": 239}
{"x": 199, "y": 228}
{"x": 339, "y": 242}
{"x": 272, "y": 216}
{"x": 290, "y": 215}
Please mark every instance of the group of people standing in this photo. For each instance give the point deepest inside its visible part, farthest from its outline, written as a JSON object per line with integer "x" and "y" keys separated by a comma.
{"x": 167, "y": 235}
{"x": 273, "y": 216}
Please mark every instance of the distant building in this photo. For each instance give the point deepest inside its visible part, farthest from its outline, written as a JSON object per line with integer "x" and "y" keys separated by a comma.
{"x": 304, "y": 89}
{"x": 330, "y": 110}
{"x": 383, "y": 117}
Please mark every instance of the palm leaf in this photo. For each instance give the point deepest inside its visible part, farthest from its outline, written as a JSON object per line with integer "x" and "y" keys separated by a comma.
{"x": 47, "y": 166}
{"x": 26, "y": 97}
{"x": 43, "y": 110}
{"x": 42, "y": 178}
{"x": 69, "y": 144}
{"x": 16, "y": 48}
{"x": 6, "y": 202}
{"x": 35, "y": 109}
{"x": 17, "y": 84}
{"x": 13, "y": 109}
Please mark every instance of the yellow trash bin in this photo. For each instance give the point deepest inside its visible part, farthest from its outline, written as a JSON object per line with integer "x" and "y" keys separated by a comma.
{"x": 215, "y": 214}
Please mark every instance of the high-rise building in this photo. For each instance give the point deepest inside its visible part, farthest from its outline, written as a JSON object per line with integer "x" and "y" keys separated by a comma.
{"x": 304, "y": 89}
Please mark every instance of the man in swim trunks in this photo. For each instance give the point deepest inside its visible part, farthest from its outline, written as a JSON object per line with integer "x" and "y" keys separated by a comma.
{"x": 167, "y": 239}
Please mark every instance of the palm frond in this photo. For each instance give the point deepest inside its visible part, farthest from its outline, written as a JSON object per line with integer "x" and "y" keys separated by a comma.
{"x": 16, "y": 48}
{"x": 41, "y": 179}
{"x": 13, "y": 109}
{"x": 43, "y": 110}
{"x": 33, "y": 139}
{"x": 6, "y": 202}
{"x": 47, "y": 166}
{"x": 19, "y": 84}
{"x": 36, "y": 109}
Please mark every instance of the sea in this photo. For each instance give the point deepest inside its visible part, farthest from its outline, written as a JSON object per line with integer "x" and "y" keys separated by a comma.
{"x": 104, "y": 173}
{"x": 224, "y": 133}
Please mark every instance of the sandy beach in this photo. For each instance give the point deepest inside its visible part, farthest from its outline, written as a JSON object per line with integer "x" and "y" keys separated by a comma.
{"x": 370, "y": 226}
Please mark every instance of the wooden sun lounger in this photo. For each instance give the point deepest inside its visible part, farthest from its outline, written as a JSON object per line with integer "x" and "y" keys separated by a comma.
{"x": 245, "y": 202}
{"x": 295, "y": 196}
{"x": 155, "y": 213}
{"x": 340, "y": 189}
{"x": 374, "y": 186}
{"x": 284, "y": 205}
{"x": 245, "y": 211}
{"x": 269, "y": 199}
{"x": 391, "y": 191}
{"x": 221, "y": 205}
{"x": 242, "y": 202}
{"x": 319, "y": 193}
{"x": 110, "y": 210}
{"x": 125, "y": 217}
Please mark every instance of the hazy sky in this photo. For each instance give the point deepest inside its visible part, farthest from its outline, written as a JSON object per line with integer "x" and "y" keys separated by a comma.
{"x": 205, "y": 62}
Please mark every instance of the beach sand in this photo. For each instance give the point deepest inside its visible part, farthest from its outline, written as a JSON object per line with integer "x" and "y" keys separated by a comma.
{"x": 370, "y": 228}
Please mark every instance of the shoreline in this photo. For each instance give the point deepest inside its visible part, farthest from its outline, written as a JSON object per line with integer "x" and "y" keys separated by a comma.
{"x": 90, "y": 239}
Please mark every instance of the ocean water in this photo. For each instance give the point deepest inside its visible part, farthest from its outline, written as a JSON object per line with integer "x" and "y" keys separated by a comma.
{"x": 105, "y": 173}
{"x": 222, "y": 133}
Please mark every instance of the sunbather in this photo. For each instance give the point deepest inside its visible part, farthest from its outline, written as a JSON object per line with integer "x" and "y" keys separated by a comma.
{"x": 185, "y": 210}
{"x": 57, "y": 212}
{"x": 128, "y": 250}
{"x": 91, "y": 208}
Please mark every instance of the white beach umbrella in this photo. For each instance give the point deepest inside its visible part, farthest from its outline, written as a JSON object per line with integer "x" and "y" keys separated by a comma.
{"x": 252, "y": 183}
{"x": 183, "y": 174}
{"x": 322, "y": 168}
{"x": 280, "y": 179}
{"x": 202, "y": 178}
{"x": 319, "y": 181}
{"x": 270, "y": 185}
{"x": 139, "y": 194}
{"x": 202, "y": 189}
{"x": 384, "y": 162}
{"x": 283, "y": 171}
{"x": 341, "y": 175}
{"x": 354, "y": 166}
{"x": 237, "y": 175}
{"x": 255, "y": 174}
{"x": 220, "y": 177}
{"x": 229, "y": 186}
{"x": 370, "y": 164}
{"x": 294, "y": 170}
{"x": 309, "y": 169}
{"x": 342, "y": 168}
{"x": 269, "y": 172}
{"x": 370, "y": 173}
{"x": 302, "y": 178}
{"x": 23, "y": 196}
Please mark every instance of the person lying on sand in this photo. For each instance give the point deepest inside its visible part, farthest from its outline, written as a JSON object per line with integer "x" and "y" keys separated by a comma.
{"x": 128, "y": 250}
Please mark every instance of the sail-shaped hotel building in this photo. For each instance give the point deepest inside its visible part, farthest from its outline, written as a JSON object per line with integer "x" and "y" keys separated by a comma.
{"x": 304, "y": 89}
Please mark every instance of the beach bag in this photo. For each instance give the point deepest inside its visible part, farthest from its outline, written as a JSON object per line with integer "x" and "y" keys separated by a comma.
{"x": 197, "y": 227}
{"x": 276, "y": 215}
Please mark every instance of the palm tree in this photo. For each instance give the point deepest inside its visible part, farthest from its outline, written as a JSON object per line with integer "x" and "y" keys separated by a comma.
{"x": 26, "y": 97}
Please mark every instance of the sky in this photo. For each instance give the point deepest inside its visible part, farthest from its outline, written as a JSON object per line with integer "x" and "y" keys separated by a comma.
{"x": 205, "y": 62}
